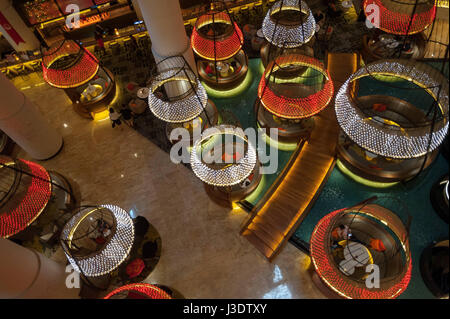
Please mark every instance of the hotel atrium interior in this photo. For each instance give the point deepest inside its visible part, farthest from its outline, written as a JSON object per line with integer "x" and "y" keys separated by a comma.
{"x": 241, "y": 149}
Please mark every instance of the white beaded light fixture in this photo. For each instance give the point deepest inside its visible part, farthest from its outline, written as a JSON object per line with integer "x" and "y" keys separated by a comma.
{"x": 184, "y": 109}
{"x": 116, "y": 248}
{"x": 394, "y": 142}
{"x": 228, "y": 175}
{"x": 290, "y": 35}
{"x": 187, "y": 99}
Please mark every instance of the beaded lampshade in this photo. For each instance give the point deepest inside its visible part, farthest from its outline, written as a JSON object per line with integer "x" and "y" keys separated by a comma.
{"x": 96, "y": 240}
{"x": 223, "y": 156}
{"x": 289, "y": 24}
{"x": 295, "y": 86}
{"x": 216, "y": 36}
{"x": 387, "y": 138}
{"x": 25, "y": 191}
{"x": 138, "y": 291}
{"x": 68, "y": 65}
{"x": 176, "y": 94}
{"x": 403, "y": 17}
{"x": 345, "y": 242}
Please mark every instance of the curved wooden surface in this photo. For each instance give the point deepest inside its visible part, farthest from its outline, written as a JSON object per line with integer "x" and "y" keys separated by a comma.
{"x": 272, "y": 222}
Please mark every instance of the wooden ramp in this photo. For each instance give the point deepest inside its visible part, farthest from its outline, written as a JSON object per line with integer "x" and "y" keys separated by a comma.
{"x": 438, "y": 35}
{"x": 286, "y": 204}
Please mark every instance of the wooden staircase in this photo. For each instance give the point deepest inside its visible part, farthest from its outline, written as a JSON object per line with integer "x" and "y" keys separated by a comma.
{"x": 438, "y": 35}
{"x": 289, "y": 200}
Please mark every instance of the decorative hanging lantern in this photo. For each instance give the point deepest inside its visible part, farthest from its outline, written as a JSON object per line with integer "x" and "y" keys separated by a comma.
{"x": 223, "y": 156}
{"x": 25, "y": 193}
{"x": 295, "y": 86}
{"x": 289, "y": 24}
{"x": 401, "y": 29}
{"x": 393, "y": 116}
{"x": 216, "y": 37}
{"x": 347, "y": 243}
{"x": 69, "y": 66}
{"x": 218, "y": 41}
{"x": 138, "y": 291}
{"x": 226, "y": 161}
{"x": 176, "y": 95}
{"x": 385, "y": 138}
{"x": 97, "y": 240}
{"x": 404, "y": 17}
{"x": 293, "y": 89}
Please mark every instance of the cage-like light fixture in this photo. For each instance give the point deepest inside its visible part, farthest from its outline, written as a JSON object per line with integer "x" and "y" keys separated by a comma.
{"x": 277, "y": 93}
{"x": 25, "y": 192}
{"x": 365, "y": 222}
{"x": 97, "y": 240}
{"x": 176, "y": 94}
{"x": 404, "y": 17}
{"x": 388, "y": 140}
{"x": 138, "y": 290}
{"x": 225, "y": 173}
{"x": 216, "y": 37}
{"x": 289, "y": 24}
{"x": 68, "y": 65}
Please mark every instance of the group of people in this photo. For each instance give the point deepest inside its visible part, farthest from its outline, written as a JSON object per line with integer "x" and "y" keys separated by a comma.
{"x": 124, "y": 114}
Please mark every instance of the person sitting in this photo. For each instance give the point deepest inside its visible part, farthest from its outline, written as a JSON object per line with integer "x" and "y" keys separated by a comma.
{"x": 114, "y": 117}
{"x": 209, "y": 70}
{"x": 126, "y": 114}
{"x": 344, "y": 233}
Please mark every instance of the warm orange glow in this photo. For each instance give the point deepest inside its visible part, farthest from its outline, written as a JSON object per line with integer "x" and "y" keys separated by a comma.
{"x": 101, "y": 116}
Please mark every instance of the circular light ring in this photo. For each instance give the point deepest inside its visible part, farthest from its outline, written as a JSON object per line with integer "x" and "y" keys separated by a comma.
{"x": 295, "y": 108}
{"x": 81, "y": 71}
{"x": 390, "y": 141}
{"x": 115, "y": 251}
{"x": 331, "y": 275}
{"x": 289, "y": 36}
{"x": 219, "y": 49}
{"x": 27, "y": 209}
{"x": 146, "y": 290}
{"x": 182, "y": 110}
{"x": 398, "y": 22}
{"x": 230, "y": 175}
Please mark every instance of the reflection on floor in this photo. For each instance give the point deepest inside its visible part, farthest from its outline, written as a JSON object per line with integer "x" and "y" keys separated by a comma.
{"x": 202, "y": 255}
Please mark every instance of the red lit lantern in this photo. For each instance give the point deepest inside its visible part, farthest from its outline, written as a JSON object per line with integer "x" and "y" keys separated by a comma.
{"x": 330, "y": 273}
{"x": 140, "y": 291}
{"x": 398, "y": 22}
{"x": 215, "y": 36}
{"x": 68, "y": 65}
{"x": 293, "y": 107}
{"x": 27, "y": 198}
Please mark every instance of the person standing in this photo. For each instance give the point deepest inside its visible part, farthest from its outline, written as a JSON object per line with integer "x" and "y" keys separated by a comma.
{"x": 99, "y": 38}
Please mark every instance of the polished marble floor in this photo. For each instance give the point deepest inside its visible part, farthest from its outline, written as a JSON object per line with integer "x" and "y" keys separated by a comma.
{"x": 203, "y": 255}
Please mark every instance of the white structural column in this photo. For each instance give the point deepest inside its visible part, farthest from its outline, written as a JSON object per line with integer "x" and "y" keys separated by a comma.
{"x": 15, "y": 31}
{"x": 165, "y": 26}
{"x": 27, "y": 274}
{"x": 24, "y": 124}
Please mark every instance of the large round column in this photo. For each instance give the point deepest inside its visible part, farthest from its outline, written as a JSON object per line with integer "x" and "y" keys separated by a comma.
{"x": 27, "y": 274}
{"x": 23, "y": 123}
{"x": 165, "y": 26}
{"x": 15, "y": 31}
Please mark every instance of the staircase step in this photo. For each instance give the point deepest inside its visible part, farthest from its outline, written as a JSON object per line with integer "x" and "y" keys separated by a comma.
{"x": 277, "y": 221}
{"x": 258, "y": 243}
{"x": 269, "y": 237}
{"x": 274, "y": 228}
